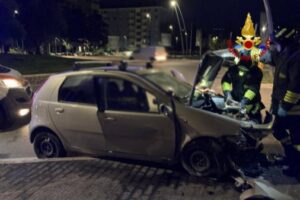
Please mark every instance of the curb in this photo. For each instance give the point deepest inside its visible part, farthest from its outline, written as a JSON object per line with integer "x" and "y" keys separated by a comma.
{"x": 36, "y": 160}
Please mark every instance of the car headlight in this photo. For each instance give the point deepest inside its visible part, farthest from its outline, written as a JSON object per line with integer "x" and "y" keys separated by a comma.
{"x": 12, "y": 83}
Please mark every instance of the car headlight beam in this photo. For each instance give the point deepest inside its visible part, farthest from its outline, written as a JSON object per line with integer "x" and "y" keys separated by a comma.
{"x": 23, "y": 112}
{"x": 12, "y": 83}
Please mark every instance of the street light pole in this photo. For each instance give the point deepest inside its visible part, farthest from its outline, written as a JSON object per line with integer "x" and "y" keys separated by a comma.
{"x": 269, "y": 16}
{"x": 173, "y": 4}
{"x": 184, "y": 26}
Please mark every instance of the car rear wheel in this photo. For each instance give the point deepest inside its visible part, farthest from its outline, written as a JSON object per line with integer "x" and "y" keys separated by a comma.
{"x": 204, "y": 158}
{"x": 47, "y": 145}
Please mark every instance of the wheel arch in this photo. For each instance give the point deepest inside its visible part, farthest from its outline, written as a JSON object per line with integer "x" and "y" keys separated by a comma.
{"x": 200, "y": 139}
{"x": 206, "y": 142}
{"x": 40, "y": 129}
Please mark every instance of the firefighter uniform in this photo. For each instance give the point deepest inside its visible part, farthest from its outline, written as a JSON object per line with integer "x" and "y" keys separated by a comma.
{"x": 243, "y": 84}
{"x": 286, "y": 102}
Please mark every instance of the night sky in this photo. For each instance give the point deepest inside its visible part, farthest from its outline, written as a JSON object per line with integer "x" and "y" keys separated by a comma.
{"x": 228, "y": 14}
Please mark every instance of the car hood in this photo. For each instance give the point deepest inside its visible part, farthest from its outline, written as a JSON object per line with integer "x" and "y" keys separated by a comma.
{"x": 205, "y": 123}
{"x": 207, "y": 72}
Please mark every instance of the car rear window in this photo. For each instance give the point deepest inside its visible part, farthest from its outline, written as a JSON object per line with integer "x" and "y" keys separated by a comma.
{"x": 4, "y": 69}
{"x": 78, "y": 89}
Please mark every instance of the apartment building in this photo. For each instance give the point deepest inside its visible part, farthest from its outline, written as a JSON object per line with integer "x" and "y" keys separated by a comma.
{"x": 134, "y": 27}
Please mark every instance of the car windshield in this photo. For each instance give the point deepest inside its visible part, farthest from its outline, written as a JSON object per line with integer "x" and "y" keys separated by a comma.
{"x": 167, "y": 82}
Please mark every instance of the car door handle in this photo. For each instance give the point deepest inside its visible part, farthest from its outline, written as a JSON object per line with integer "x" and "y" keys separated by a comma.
{"x": 109, "y": 119}
{"x": 59, "y": 110}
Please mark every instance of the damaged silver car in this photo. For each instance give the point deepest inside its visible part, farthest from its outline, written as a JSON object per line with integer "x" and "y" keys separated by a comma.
{"x": 134, "y": 113}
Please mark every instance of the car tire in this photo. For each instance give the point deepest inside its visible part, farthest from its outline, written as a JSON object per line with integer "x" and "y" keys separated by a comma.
{"x": 204, "y": 159}
{"x": 48, "y": 145}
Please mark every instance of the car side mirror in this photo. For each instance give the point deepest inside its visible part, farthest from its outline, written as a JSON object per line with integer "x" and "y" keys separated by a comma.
{"x": 165, "y": 110}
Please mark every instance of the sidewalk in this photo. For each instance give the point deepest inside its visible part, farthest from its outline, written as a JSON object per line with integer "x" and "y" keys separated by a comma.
{"x": 88, "y": 178}
{"x": 82, "y": 178}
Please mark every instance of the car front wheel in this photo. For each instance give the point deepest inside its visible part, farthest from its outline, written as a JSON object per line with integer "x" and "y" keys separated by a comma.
{"x": 47, "y": 145}
{"x": 203, "y": 158}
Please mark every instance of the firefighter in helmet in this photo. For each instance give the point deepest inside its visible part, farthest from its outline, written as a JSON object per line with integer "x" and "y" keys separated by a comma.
{"x": 242, "y": 82}
{"x": 284, "y": 54}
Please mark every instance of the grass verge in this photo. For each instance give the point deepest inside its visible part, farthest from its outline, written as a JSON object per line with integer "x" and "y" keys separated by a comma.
{"x": 36, "y": 64}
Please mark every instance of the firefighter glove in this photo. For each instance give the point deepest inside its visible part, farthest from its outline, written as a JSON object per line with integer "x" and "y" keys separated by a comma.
{"x": 282, "y": 112}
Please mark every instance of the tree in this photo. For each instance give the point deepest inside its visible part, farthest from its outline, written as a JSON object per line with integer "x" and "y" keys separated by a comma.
{"x": 85, "y": 25}
{"x": 11, "y": 29}
{"x": 96, "y": 29}
{"x": 43, "y": 21}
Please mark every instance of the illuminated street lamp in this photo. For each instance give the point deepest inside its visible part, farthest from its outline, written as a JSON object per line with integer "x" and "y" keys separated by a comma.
{"x": 171, "y": 27}
{"x": 263, "y": 29}
{"x": 148, "y": 15}
{"x": 16, "y": 12}
{"x": 173, "y": 3}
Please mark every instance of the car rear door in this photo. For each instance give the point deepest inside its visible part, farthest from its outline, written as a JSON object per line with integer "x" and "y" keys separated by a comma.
{"x": 75, "y": 114}
{"x": 132, "y": 123}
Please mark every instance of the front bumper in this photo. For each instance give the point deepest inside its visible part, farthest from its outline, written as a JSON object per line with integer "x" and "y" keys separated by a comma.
{"x": 16, "y": 107}
{"x": 243, "y": 150}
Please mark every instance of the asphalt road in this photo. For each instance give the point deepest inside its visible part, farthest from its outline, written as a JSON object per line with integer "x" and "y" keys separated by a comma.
{"x": 15, "y": 144}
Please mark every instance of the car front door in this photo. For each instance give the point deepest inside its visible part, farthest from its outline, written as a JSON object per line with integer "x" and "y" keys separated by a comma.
{"x": 75, "y": 114}
{"x": 132, "y": 123}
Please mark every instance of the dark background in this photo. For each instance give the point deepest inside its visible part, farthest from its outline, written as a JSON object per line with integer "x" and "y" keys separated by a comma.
{"x": 227, "y": 14}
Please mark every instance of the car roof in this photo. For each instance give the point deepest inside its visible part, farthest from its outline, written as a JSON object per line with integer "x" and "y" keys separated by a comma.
{"x": 137, "y": 70}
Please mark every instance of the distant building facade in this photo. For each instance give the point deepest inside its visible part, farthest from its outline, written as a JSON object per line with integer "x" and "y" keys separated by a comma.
{"x": 134, "y": 27}
{"x": 89, "y": 5}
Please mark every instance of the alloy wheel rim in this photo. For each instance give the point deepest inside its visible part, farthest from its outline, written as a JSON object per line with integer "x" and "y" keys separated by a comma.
{"x": 47, "y": 147}
{"x": 200, "y": 161}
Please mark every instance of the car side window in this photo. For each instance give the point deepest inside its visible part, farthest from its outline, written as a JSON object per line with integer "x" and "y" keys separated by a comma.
{"x": 78, "y": 89}
{"x": 123, "y": 95}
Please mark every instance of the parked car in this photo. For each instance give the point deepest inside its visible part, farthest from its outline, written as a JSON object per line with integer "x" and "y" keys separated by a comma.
{"x": 15, "y": 99}
{"x": 134, "y": 113}
{"x": 154, "y": 53}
